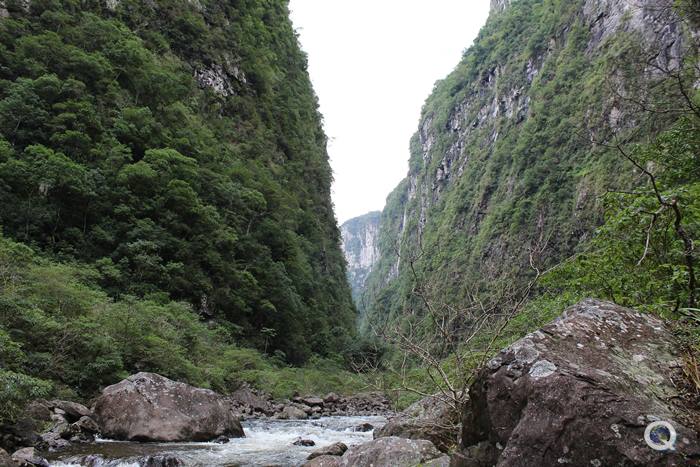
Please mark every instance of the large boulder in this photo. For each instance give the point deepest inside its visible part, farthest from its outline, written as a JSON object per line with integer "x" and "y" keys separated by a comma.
{"x": 150, "y": 407}
{"x": 581, "y": 391}
{"x": 431, "y": 418}
{"x": 394, "y": 452}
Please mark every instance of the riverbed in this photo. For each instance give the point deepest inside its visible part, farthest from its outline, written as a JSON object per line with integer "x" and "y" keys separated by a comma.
{"x": 267, "y": 443}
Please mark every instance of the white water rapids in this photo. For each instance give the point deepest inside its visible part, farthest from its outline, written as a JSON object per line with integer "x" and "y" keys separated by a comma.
{"x": 267, "y": 443}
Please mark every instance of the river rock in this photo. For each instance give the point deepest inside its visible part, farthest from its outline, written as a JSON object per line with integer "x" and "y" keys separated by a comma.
{"x": 252, "y": 401}
{"x": 324, "y": 461}
{"x": 371, "y": 403}
{"x": 72, "y": 411}
{"x": 304, "y": 442}
{"x": 430, "y": 418}
{"x": 86, "y": 425}
{"x": 292, "y": 413}
{"x": 364, "y": 427}
{"x": 581, "y": 391}
{"x": 313, "y": 401}
{"x": 335, "y": 449}
{"x": 394, "y": 452}
{"x": 96, "y": 460}
{"x": 5, "y": 458}
{"x": 53, "y": 439}
{"x": 39, "y": 410}
{"x": 26, "y": 457}
{"x": 150, "y": 407}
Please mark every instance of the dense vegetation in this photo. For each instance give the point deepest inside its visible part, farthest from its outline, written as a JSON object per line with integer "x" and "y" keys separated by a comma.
{"x": 61, "y": 335}
{"x": 112, "y": 154}
{"x": 166, "y": 164}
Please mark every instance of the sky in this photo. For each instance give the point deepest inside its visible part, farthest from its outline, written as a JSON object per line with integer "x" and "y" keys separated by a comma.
{"x": 372, "y": 64}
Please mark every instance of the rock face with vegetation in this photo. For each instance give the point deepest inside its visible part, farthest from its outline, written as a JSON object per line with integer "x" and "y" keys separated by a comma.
{"x": 581, "y": 391}
{"x": 361, "y": 248}
{"x": 150, "y": 407}
{"x": 520, "y": 148}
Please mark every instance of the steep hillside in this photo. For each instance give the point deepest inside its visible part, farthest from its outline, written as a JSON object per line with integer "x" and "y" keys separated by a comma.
{"x": 176, "y": 147}
{"x": 515, "y": 149}
{"x": 360, "y": 236}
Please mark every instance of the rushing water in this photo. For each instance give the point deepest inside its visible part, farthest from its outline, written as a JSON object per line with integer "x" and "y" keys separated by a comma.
{"x": 267, "y": 443}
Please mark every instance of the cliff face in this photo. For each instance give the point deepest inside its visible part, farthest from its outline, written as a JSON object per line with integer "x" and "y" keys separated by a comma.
{"x": 360, "y": 245}
{"x": 507, "y": 151}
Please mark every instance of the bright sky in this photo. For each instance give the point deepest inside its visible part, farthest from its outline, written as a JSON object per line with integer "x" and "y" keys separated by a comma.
{"x": 373, "y": 63}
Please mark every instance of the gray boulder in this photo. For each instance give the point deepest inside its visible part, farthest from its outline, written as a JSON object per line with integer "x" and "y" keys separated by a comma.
{"x": 150, "y": 407}
{"x": 394, "y": 452}
{"x": 581, "y": 391}
{"x": 430, "y": 418}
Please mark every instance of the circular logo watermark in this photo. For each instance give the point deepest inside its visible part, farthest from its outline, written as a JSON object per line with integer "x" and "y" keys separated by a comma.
{"x": 660, "y": 436}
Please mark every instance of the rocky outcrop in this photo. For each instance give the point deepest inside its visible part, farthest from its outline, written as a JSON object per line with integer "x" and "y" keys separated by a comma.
{"x": 581, "y": 391}
{"x": 360, "y": 244}
{"x": 430, "y": 418}
{"x": 50, "y": 426}
{"x": 394, "y": 452}
{"x": 150, "y": 407}
{"x": 72, "y": 423}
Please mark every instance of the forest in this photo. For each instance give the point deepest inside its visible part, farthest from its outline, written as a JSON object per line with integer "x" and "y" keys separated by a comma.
{"x": 165, "y": 194}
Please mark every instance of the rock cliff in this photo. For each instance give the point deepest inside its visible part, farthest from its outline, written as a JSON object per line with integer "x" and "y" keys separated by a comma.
{"x": 507, "y": 155}
{"x": 360, "y": 246}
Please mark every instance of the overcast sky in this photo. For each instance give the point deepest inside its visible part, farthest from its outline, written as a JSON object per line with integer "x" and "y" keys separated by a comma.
{"x": 373, "y": 63}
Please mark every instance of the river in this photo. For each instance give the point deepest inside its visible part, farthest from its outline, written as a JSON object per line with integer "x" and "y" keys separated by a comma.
{"x": 267, "y": 443}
